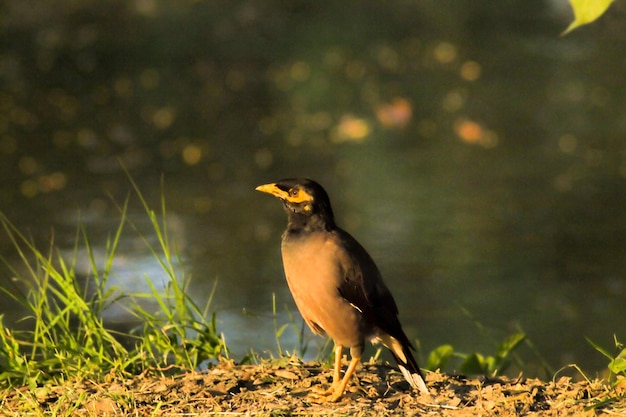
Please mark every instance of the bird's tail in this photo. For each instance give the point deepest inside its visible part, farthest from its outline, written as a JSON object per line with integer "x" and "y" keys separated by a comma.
{"x": 406, "y": 362}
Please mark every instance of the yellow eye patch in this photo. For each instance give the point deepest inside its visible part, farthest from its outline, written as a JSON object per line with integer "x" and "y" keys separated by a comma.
{"x": 296, "y": 195}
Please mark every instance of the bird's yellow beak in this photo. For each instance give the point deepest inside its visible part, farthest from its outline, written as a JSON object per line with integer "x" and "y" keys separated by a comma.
{"x": 294, "y": 195}
{"x": 271, "y": 189}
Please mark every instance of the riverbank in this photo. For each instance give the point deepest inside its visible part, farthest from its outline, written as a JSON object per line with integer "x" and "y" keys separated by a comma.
{"x": 288, "y": 388}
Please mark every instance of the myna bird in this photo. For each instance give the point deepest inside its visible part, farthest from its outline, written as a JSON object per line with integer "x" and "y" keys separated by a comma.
{"x": 336, "y": 284}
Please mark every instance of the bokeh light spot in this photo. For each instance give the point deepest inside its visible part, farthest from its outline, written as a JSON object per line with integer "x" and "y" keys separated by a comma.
{"x": 123, "y": 87}
{"x": 268, "y": 125}
{"x": 387, "y": 58}
{"x": 86, "y": 138}
{"x": 192, "y": 154}
{"x": 568, "y": 143}
{"x": 334, "y": 58}
{"x": 469, "y": 131}
{"x": 53, "y": 182}
{"x": 470, "y": 70}
{"x": 474, "y": 133}
{"x": 300, "y": 71}
{"x": 445, "y": 52}
{"x": 355, "y": 70}
{"x": 163, "y": 118}
{"x": 396, "y": 114}
{"x": 454, "y": 100}
{"x": 29, "y": 188}
{"x": 351, "y": 129}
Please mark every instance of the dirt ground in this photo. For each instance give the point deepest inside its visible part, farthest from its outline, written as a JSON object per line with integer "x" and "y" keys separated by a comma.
{"x": 288, "y": 388}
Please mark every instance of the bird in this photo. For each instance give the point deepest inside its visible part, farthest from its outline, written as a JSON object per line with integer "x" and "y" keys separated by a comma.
{"x": 336, "y": 285}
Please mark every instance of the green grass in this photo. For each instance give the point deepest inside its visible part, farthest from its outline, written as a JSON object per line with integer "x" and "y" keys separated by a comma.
{"x": 617, "y": 360}
{"x": 66, "y": 335}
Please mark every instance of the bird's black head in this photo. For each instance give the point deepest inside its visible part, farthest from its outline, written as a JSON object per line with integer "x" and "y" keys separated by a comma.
{"x": 306, "y": 202}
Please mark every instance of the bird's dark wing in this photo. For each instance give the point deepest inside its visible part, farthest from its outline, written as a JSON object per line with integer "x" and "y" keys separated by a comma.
{"x": 363, "y": 287}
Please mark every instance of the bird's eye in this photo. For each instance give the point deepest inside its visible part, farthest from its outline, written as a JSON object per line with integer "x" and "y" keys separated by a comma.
{"x": 294, "y": 192}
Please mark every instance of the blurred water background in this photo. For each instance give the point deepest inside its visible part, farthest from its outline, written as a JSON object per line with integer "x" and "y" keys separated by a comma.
{"x": 477, "y": 155}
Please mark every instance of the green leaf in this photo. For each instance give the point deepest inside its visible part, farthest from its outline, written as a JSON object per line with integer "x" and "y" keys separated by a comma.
{"x": 281, "y": 329}
{"x": 586, "y": 11}
{"x": 438, "y": 358}
{"x": 599, "y": 348}
{"x": 474, "y": 364}
{"x": 510, "y": 344}
{"x": 618, "y": 365}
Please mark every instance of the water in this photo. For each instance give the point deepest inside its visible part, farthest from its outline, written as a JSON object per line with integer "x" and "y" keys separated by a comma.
{"x": 476, "y": 155}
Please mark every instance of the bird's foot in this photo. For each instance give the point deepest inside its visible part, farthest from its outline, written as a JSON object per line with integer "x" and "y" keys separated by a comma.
{"x": 332, "y": 394}
{"x": 321, "y": 398}
{"x": 324, "y": 392}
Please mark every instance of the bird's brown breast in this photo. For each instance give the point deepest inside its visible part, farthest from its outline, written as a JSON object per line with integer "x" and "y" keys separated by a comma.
{"x": 314, "y": 270}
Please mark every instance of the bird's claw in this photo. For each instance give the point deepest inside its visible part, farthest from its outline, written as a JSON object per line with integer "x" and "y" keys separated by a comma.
{"x": 327, "y": 395}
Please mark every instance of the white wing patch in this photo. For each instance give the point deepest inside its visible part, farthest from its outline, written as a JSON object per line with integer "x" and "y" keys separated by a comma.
{"x": 356, "y": 308}
{"x": 393, "y": 345}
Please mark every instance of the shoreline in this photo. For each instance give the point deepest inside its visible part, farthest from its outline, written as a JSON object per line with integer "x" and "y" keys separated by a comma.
{"x": 287, "y": 387}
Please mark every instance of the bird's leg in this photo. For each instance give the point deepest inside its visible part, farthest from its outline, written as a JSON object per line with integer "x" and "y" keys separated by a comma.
{"x": 339, "y": 384}
{"x": 336, "y": 372}
{"x": 337, "y": 369}
{"x": 356, "y": 358}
